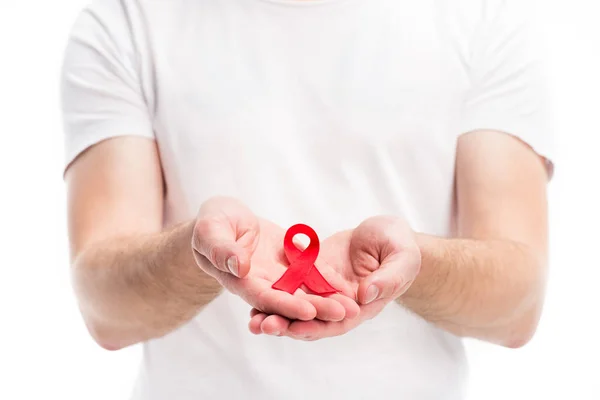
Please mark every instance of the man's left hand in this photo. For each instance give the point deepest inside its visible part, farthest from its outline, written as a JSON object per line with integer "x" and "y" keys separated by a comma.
{"x": 379, "y": 259}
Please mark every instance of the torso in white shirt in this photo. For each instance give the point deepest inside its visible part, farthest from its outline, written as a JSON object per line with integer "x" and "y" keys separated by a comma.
{"x": 324, "y": 112}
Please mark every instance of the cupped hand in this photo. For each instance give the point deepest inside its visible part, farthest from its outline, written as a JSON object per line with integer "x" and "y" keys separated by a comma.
{"x": 245, "y": 255}
{"x": 378, "y": 260}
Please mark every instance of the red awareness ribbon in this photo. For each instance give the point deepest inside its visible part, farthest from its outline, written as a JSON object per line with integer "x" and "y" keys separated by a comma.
{"x": 302, "y": 269}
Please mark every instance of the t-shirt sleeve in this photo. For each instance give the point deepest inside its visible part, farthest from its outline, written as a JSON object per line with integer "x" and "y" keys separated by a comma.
{"x": 101, "y": 89}
{"x": 509, "y": 90}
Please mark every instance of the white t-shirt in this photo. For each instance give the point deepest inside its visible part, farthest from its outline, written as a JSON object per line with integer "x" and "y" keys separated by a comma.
{"x": 324, "y": 112}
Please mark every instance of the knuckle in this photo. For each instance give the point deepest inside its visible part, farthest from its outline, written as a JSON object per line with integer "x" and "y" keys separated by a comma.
{"x": 212, "y": 253}
{"x": 204, "y": 233}
{"x": 197, "y": 236}
{"x": 205, "y": 227}
{"x": 280, "y": 306}
{"x": 397, "y": 285}
{"x": 261, "y": 302}
{"x": 199, "y": 258}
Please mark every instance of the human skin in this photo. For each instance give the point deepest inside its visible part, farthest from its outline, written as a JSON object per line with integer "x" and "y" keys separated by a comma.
{"x": 135, "y": 281}
{"x": 487, "y": 282}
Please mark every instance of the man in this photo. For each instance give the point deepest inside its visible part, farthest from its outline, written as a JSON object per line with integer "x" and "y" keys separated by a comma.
{"x": 410, "y": 135}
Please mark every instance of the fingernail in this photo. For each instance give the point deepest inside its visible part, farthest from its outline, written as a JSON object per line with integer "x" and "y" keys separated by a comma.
{"x": 276, "y": 333}
{"x": 232, "y": 265}
{"x": 372, "y": 293}
{"x": 299, "y": 336}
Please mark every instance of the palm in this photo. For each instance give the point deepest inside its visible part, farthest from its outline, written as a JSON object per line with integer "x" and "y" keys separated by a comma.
{"x": 334, "y": 262}
{"x": 357, "y": 258}
{"x": 268, "y": 264}
{"x": 267, "y": 260}
{"x": 337, "y": 255}
{"x": 340, "y": 248}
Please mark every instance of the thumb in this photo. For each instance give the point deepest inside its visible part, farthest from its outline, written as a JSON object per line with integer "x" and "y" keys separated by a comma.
{"x": 393, "y": 277}
{"x": 384, "y": 253}
{"x": 226, "y": 234}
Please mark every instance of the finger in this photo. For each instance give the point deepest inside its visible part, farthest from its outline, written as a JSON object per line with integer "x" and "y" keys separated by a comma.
{"x": 351, "y": 307}
{"x": 383, "y": 251}
{"x": 328, "y": 308}
{"x": 315, "y": 329}
{"x": 226, "y": 233}
{"x": 226, "y": 256}
{"x": 392, "y": 278}
{"x": 255, "y": 322}
{"x": 216, "y": 241}
{"x": 272, "y": 301}
{"x": 347, "y": 296}
{"x": 259, "y": 294}
{"x": 283, "y": 323}
{"x": 254, "y": 312}
{"x": 336, "y": 280}
{"x": 373, "y": 240}
{"x": 274, "y": 325}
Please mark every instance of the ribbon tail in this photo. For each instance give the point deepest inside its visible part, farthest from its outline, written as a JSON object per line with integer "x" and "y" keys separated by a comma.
{"x": 317, "y": 283}
{"x": 290, "y": 281}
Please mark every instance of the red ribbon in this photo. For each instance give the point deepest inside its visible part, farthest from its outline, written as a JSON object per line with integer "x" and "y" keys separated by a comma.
{"x": 302, "y": 269}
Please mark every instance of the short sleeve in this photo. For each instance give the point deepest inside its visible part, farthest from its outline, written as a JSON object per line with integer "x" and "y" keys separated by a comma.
{"x": 101, "y": 90}
{"x": 509, "y": 90}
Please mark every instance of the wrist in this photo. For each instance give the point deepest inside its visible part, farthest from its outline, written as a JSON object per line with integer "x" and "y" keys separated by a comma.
{"x": 181, "y": 272}
{"x": 431, "y": 274}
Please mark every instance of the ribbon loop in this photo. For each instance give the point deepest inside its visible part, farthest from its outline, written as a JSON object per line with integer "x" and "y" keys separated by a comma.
{"x": 302, "y": 269}
{"x": 294, "y": 254}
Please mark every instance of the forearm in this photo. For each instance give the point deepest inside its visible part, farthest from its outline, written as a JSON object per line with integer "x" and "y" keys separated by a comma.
{"x": 488, "y": 289}
{"x": 132, "y": 289}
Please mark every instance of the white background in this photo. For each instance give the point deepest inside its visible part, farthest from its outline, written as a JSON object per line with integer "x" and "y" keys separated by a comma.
{"x": 45, "y": 351}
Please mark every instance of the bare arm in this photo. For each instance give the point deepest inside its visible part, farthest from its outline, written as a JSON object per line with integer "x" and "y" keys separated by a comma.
{"x": 489, "y": 282}
{"x": 133, "y": 282}
{"x": 486, "y": 283}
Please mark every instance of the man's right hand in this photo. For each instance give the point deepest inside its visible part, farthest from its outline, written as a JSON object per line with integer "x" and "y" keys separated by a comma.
{"x": 136, "y": 281}
{"x": 245, "y": 255}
